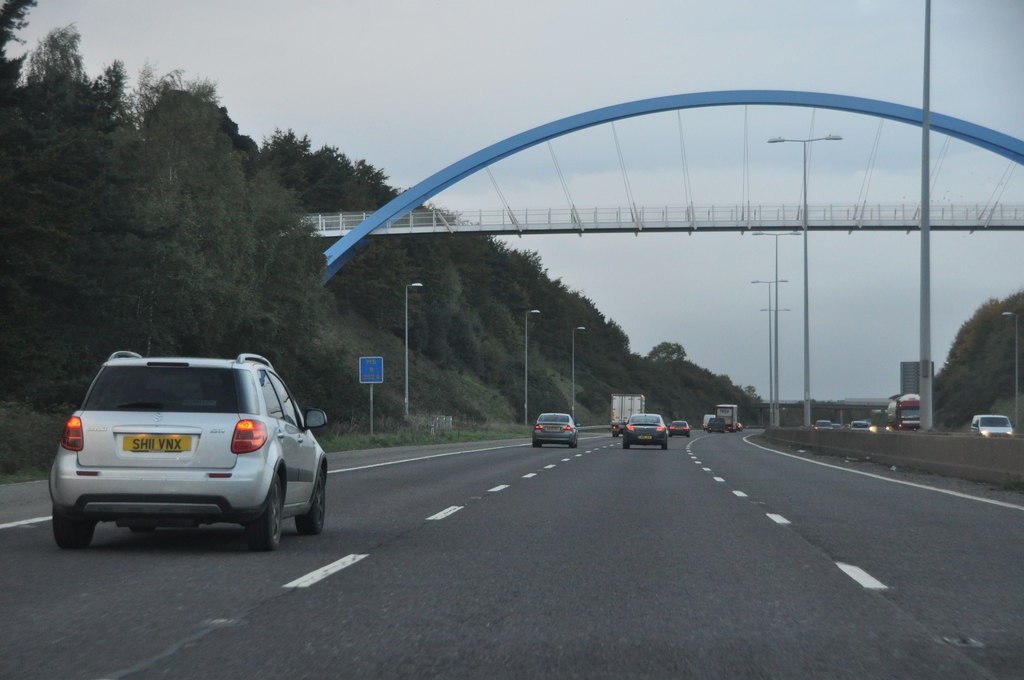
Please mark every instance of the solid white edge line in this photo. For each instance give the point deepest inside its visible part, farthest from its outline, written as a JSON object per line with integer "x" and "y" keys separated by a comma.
{"x": 323, "y": 572}
{"x": 412, "y": 460}
{"x": 446, "y": 512}
{"x": 862, "y": 577}
{"x": 34, "y": 520}
{"x": 778, "y": 519}
{"x": 1002, "y": 504}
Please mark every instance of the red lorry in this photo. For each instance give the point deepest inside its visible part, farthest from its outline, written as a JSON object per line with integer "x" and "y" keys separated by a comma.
{"x": 904, "y": 412}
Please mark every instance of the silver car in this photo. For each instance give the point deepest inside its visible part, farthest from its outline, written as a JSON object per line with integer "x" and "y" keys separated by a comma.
{"x": 184, "y": 442}
{"x": 555, "y": 428}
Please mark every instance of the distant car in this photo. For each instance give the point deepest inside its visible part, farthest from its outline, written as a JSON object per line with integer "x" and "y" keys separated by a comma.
{"x": 822, "y": 424}
{"x": 184, "y": 442}
{"x": 555, "y": 428}
{"x": 645, "y": 429}
{"x": 861, "y": 425}
{"x": 679, "y": 427}
{"x": 717, "y": 425}
{"x": 837, "y": 426}
{"x": 991, "y": 426}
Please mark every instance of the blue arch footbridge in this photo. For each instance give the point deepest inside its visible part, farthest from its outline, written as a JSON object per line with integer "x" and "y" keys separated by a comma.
{"x": 404, "y": 215}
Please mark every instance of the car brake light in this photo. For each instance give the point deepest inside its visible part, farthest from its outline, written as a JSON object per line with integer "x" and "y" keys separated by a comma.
{"x": 629, "y": 427}
{"x": 249, "y": 436}
{"x": 71, "y": 439}
{"x": 660, "y": 428}
{"x": 538, "y": 427}
{"x": 567, "y": 427}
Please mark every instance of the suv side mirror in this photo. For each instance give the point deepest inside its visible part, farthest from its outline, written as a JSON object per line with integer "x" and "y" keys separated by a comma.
{"x": 315, "y": 418}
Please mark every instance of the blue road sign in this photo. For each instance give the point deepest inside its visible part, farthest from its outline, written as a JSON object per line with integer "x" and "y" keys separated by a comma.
{"x": 371, "y": 369}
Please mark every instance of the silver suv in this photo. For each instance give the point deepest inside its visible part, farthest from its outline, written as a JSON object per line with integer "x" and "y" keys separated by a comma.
{"x": 184, "y": 442}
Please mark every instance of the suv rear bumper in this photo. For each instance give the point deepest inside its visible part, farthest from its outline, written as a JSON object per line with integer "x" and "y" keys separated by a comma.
{"x": 155, "y": 509}
{"x": 110, "y": 494}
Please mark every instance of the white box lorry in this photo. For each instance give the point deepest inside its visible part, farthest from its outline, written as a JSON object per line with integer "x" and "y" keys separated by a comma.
{"x": 623, "y": 406}
{"x": 730, "y": 414}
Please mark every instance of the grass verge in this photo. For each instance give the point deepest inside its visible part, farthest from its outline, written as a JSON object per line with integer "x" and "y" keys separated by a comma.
{"x": 355, "y": 442}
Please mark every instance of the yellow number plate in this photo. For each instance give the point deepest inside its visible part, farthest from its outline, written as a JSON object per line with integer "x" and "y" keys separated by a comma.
{"x": 165, "y": 443}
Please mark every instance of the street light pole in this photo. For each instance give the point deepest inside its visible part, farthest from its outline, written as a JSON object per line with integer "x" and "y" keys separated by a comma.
{"x": 776, "y": 415}
{"x": 411, "y": 285}
{"x": 578, "y": 328}
{"x": 807, "y": 315}
{"x": 1016, "y": 368}
{"x": 526, "y": 364}
{"x": 773, "y": 374}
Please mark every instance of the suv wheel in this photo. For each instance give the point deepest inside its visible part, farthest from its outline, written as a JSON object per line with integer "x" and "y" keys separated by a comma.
{"x": 312, "y": 522}
{"x": 72, "y": 533}
{"x": 264, "y": 532}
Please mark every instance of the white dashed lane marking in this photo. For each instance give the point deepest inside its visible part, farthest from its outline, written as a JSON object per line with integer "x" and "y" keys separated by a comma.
{"x": 446, "y": 512}
{"x": 323, "y": 572}
{"x": 862, "y": 577}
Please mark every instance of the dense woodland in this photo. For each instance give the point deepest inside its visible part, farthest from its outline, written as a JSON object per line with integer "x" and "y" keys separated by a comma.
{"x": 134, "y": 214}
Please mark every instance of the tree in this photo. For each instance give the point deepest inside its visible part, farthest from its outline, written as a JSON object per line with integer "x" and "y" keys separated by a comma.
{"x": 668, "y": 352}
{"x": 12, "y": 19}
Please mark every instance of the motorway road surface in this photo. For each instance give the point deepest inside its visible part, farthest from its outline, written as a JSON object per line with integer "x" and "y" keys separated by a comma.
{"x": 718, "y": 558}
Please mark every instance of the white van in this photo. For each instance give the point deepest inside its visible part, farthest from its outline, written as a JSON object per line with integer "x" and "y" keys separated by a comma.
{"x": 989, "y": 425}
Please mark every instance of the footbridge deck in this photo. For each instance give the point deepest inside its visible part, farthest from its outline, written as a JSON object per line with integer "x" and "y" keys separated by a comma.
{"x": 708, "y": 219}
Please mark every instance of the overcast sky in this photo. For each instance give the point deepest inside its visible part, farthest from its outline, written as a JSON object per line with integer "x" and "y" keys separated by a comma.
{"x": 413, "y": 86}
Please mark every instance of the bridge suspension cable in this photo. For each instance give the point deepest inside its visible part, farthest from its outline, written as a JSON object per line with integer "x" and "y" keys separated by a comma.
{"x": 687, "y": 193}
{"x": 633, "y": 213}
{"x": 565, "y": 188}
{"x": 508, "y": 209}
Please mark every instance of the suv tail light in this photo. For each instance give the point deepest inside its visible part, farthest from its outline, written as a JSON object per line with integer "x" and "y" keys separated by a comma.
{"x": 71, "y": 439}
{"x": 249, "y": 436}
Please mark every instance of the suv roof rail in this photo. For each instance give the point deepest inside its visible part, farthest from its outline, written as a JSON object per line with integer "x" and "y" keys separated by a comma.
{"x": 124, "y": 354}
{"x": 241, "y": 358}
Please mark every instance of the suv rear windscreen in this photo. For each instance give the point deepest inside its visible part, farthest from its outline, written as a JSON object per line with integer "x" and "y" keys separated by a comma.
{"x": 161, "y": 388}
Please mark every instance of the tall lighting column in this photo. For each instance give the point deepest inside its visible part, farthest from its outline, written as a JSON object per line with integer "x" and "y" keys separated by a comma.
{"x": 411, "y": 285}
{"x": 773, "y": 356}
{"x": 776, "y": 408}
{"x": 526, "y": 364}
{"x": 1016, "y": 369}
{"x": 578, "y": 328}
{"x": 807, "y": 296}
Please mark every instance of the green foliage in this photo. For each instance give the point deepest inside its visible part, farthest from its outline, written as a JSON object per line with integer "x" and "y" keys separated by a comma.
{"x": 979, "y": 369}
{"x": 141, "y": 218}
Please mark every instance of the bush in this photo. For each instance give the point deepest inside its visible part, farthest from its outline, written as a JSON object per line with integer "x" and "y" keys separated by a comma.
{"x": 29, "y": 439}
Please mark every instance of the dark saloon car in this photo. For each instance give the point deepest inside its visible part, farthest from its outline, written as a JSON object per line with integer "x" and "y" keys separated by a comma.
{"x": 555, "y": 428}
{"x": 645, "y": 429}
{"x": 717, "y": 425}
{"x": 679, "y": 427}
